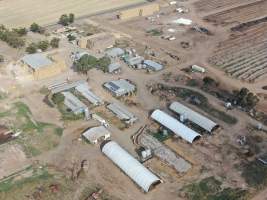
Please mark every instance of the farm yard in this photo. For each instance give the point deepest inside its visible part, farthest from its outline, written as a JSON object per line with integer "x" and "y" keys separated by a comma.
{"x": 239, "y": 14}
{"x": 243, "y": 56}
{"x": 15, "y": 13}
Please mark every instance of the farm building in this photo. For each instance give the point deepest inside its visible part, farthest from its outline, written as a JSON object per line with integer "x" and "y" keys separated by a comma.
{"x": 74, "y": 104}
{"x": 88, "y": 94}
{"x": 42, "y": 66}
{"x": 122, "y": 113}
{"x": 99, "y": 41}
{"x": 141, "y": 11}
{"x": 115, "y": 52}
{"x": 130, "y": 166}
{"x": 134, "y": 61}
{"x": 120, "y": 87}
{"x": 153, "y": 66}
{"x": 64, "y": 86}
{"x": 175, "y": 126}
{"x": 114, "y": 68}
{"x": 188, "y": 114}
{"x": 96, "y": 134}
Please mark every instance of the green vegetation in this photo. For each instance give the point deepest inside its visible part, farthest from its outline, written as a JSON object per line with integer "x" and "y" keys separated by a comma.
{"x": 36, "y": 137}
{"x": 36, "y": 183}
{"x": 161, "y": 136}
{"x": 155, "y": 32}
{"x": 12, "y": 37}
{"x": 85, "y": 63}
{"x": 32, "y": 48}
{"x": 54, "y": 43}
{"x": 88, "y": 62}
{"x": 65, "y": 20}
{"x": 201, "y": 101}
{"x": 211, "y": 189}
{"x": 20, "y": 31}
{"x": 36, "y": 28}
{"x": 245, "y": 98}
{"x": 255, "y": 174}
{"x": 67, "y": 115}
{"x": 2, "y": 58}
{"x": 71, "y": 37}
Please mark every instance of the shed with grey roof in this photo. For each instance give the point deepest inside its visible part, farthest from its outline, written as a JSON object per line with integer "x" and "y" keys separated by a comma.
{"x": 114, "y": 67}
{"x": 191, "y": 115}
{"x": 36, "y": 61}
{"x": 88, "y": 94}
{"x": 151, "y": 65}
{"x": 122, "y": 113}
{"x": 74, "y": 104}
{"x": 115, "y": 52}
{"x": 120, "y": 87}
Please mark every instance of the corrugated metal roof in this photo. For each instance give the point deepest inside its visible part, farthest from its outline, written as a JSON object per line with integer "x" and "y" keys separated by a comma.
{"x": 193, "y": 116}
{"x": 121, "y": 112}
{"x": 113, "y": 67}
{"x": 120, "y": 87}
{"x": 89, "y": 95}
{"x": 130, "y": 166}
{"x": 37, "y": 60}
{"x": 175, "y": 126}
{"x": 154, "y": 65}
{"x": 73, "y": 102}
{"x": 95, "y": 133}
{"x": 115, "y": 52}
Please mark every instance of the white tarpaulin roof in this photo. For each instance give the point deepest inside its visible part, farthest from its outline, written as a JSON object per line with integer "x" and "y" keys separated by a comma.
{"x": 182, "y": 21}
{"x": 193, "y": 116}
{"x": 175, "y": 126}
{"x": 130, "y": 166}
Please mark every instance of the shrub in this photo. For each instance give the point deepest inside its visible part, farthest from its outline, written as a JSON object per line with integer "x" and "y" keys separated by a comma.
{"x": 54, "y": 42}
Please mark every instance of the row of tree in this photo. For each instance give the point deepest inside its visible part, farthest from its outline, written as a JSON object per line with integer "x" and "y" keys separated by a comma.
{"x": 87, "y": 62}
{"x": 13, "y": 37}
{"x": 43, "y": 45}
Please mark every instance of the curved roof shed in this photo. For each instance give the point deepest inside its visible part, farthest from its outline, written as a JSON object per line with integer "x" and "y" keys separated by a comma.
{"x": 193, "y": 116}
{"x": 130, "y": 166}
{"x": 175, "y": 126}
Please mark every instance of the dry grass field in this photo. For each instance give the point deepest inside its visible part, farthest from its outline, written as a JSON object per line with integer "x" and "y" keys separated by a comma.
{"x": 20, "y": 13}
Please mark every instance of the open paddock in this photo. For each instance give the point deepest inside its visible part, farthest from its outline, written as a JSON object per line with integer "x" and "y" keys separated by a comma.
{"x": 21, "y": 13}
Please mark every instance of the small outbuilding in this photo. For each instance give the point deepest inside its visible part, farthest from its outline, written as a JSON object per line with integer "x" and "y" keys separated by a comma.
{"x": 96, "y": 134}
{"x": 144, "y": 178}
{"x": 114, "y": 68}
{"x": 122, "y": 113}
{"x": 153, "y": 66}
{"x": 115, "y": 52}
{"x": 120, "y": 87}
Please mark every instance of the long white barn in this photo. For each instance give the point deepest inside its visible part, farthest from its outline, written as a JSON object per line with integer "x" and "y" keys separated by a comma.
{"x": 193, "y": 116}
{"x": 130, "y": 166}
{"x": 175, "y": 126}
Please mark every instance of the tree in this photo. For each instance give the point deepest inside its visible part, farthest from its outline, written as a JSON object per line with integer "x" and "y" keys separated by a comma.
{"x": 1, "y": 58}
{"x": 71, "y": 18}
{"x": 208, "y": 81}
{"x": 54, "y": 42}
{"x": 85, "y": 63}
{"x": 43, "y": 45}
{"x": 58, "y": 98}
{"x": 103, "y": 63}
{"x": 35, "y": 28}
{"x": 71, "y": 37}
{"x": 20, "y": 31}
{"x": 64, "y": 20}
{"x": 31, "y": 48}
